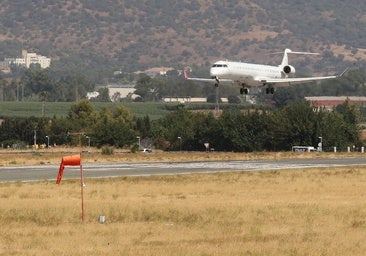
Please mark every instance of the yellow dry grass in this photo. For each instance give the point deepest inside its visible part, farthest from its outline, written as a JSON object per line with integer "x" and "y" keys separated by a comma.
{"x": 292, "y": 212}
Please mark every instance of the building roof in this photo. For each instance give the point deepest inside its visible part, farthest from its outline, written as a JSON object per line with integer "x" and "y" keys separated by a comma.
{"x": 336, "y": 98}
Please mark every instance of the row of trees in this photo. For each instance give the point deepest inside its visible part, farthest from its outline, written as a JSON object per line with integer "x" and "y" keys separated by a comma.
{"x": 254, "y": 130}
{"x": 233, "y": 130}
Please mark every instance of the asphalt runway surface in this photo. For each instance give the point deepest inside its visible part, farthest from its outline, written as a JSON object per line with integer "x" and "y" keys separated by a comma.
{"x": 93, "y": 170}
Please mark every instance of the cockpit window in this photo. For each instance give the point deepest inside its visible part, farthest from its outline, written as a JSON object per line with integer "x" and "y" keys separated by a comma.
{"x": 219, "y": 66}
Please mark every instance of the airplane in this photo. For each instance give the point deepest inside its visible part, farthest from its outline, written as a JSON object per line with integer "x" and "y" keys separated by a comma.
{"x": 249, "y": 75}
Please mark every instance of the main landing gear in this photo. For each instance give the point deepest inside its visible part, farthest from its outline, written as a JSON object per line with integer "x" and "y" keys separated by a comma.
{"x": 270, "y": 90}
{"x": 244, "y": 90}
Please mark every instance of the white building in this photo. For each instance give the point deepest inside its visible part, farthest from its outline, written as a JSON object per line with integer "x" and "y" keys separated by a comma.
{"x": 17, "y": 61}
{"x": 153, "y": 72}
{"x": 90, "y": 95}
{"x": 121, "y": 91}
{"x": 30, "y": 58}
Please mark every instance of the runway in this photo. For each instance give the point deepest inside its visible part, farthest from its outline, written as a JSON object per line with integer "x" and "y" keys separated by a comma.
{"x": 92, "y": 170}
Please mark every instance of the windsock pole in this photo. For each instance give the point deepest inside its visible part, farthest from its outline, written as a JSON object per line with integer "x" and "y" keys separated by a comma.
{"x": 82, "y": 192}
{"x": 74, "y": 160}
{"x": 82, "y": 184}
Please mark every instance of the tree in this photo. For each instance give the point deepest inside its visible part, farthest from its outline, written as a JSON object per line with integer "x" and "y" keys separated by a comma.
{"x": 234, "y": 133}
{"x": 58, "y": 130}
{"x": 179, "y": 123}
{"x": 103, "y": 95}
{"x": 333, "y": 130}
{"x": 260, "y": 130}
{"x": 207, "y": 130}
{"x": 81, "y": 116}
{"x": 36, "y": 81}
{"x": 143, "y": 86}
{"x": 3, "y": 85}
{"x": 114, "y": 127}
{"x": 143, "y": 126}
{"x": 351, "y": 117}
{"x": 15, "y": 130}
{"x": 73, "y": 88}
{"x": 299, "y": 119}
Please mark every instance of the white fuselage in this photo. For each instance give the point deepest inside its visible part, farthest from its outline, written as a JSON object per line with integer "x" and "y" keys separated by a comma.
{"x": 245, "y": 73}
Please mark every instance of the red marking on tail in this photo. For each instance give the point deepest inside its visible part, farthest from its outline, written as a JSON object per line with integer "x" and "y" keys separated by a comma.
{"x": 185, "y": 74}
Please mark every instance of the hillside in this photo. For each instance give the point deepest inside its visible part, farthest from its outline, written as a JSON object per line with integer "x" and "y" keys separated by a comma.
{"x": 133, "y": 35}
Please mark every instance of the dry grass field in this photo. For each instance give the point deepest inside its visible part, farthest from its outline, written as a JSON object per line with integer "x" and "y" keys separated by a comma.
{"x": 290, "y": 212}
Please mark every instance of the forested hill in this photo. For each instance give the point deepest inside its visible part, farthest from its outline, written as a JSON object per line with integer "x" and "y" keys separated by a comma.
{"x": 136, "y": 34}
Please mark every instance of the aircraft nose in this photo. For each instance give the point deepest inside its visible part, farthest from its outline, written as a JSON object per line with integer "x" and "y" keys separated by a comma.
{"x": 213, "y": 72}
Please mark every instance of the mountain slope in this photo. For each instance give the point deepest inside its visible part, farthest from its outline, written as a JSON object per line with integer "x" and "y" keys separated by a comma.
{"x": 144, "y": 33}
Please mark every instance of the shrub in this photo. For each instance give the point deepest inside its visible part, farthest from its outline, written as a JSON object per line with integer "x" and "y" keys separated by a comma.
{"x": 134, "y": 148}
{"x": 107, "y": 151}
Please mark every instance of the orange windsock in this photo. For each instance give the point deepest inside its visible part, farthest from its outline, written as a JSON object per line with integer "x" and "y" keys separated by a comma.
{"x": 71, "y": 160}
{"x": 67, "y": 160}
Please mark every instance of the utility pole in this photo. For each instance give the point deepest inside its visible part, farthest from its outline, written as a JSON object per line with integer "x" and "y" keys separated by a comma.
{"x": 138, "y": 137}
{"x": 180, "y": 143}
{"x": 217, "y": 106}
{"x": 35, "y": 139}
{"x": 48, "y": 141}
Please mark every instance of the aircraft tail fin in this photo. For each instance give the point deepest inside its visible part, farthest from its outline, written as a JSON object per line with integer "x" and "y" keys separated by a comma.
{"x": 287, "y": 51}
{"x": 285, "y": 57}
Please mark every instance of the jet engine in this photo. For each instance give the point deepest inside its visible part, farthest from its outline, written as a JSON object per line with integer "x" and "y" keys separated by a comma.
{"x": 288, "y": 70}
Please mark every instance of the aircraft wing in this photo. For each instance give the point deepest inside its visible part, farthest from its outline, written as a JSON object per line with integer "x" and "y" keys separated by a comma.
{"x": 210, "y": 80}
{"x": 280, "y": 82}
{"x": 207, "y": 80}
{"x": 291, "y": 81}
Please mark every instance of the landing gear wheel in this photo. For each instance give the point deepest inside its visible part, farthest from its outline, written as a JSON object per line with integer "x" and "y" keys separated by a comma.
{"x": 244, "y": 91}
{"x": 270, "y": 90}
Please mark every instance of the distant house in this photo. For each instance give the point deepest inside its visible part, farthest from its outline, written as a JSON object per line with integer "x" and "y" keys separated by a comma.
{"x": 91, "y": 95}
{"x": 153, "y": 72}
{"x": 116, "y": 92}
{"x": 121, "y": 91}
{"x": 329, "y": 102}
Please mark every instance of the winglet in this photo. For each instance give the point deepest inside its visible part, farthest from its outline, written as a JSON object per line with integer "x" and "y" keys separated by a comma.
{"x": 341, "y": 74}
